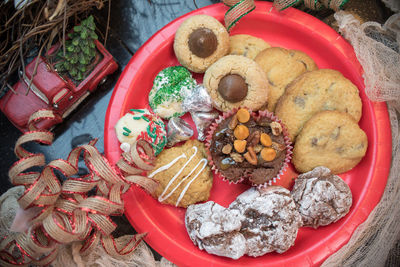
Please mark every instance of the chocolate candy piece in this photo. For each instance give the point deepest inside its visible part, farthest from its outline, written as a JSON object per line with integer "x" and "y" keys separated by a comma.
{"x": 203, "y": 42}
{"x": 232, "y": 88}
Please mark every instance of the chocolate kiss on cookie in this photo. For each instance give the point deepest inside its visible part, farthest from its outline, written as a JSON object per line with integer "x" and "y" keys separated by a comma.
{"x": 203, "y": 42}
{"x": 233, "y": 88}
{"x": 236, "y": 81}
{"x": 200, "y": 41}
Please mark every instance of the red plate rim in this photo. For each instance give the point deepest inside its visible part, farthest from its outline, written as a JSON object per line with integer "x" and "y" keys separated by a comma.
{"x": 381, "y": 156}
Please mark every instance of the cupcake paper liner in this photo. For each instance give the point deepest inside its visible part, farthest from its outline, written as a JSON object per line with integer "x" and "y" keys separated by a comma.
{"x": 258, "y": 114}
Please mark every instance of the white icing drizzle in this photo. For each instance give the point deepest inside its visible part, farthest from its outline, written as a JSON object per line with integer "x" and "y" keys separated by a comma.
{"x": 187, "y": 186}
{"x": 162, "y": 197}
{"x": 166, "y": 167}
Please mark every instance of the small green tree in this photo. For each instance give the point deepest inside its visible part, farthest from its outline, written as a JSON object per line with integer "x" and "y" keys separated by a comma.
{"x": 80, "y": 50}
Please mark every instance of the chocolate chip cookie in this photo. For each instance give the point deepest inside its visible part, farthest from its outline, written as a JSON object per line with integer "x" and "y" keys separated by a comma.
{"x": 332, "y": 139}
{"x": 200, "y": 41}
{"x": 281, "y": 67}
{"x": 246, "y": 45}
{"x": 236, "y": 81}
{"x": 315, "y": 91}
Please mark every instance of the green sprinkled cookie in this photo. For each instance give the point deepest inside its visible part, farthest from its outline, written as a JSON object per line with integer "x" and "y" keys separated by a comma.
{"x": 170, "y": 87}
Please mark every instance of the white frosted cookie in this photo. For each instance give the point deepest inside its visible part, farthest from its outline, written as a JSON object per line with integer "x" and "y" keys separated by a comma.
{"x": 199, "y": 41}
{"x": 141, "y": 124}
{"x": 170, "y": 87}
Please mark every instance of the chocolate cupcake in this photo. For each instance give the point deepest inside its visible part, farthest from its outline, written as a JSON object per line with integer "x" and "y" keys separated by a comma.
{"x": 248, "y": 146}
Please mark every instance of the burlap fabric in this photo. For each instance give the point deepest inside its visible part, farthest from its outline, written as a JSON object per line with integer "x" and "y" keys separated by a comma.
{"x": 9, "y": 207}
{"x": 141, "y": 257}
{"x": 377, "y": 49}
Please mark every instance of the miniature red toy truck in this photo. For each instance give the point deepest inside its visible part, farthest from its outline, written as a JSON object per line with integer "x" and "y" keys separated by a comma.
{"x": 49, "y": 90}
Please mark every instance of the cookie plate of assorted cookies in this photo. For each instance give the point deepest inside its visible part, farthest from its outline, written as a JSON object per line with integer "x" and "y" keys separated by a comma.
{"x": 255, "y": 147}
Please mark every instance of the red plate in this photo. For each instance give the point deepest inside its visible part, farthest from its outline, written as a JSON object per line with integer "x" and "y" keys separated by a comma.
{"x": 290, "y": 29}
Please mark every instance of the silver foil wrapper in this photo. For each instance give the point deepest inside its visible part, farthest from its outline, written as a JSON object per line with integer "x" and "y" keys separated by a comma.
{"x": 202, "y": 120}
{"x": 197, "y": 100}
{"x": 178, "y": 131}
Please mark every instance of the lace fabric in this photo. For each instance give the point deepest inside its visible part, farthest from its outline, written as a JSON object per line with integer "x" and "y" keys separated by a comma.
{"x": 394, "y": 5}
{"x": 377, "y": 49}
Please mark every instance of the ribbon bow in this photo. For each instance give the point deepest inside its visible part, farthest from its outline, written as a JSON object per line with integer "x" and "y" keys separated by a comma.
{"x": 77, "y": 209}
{"x": 240, "y": 8}
{"x": 237, "y": 10}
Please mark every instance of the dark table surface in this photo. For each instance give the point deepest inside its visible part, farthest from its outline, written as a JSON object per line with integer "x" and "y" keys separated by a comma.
{"x": 132, "y": 23}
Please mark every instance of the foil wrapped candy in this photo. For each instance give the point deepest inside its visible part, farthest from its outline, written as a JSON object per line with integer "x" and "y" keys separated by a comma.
{"x": 178, "y": 130}
{"x": 202, "y": 120}
{"x": 199, "y": 104}
{"x": 197, "y": 100}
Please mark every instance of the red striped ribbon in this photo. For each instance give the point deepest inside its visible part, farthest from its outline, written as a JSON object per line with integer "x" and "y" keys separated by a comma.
{"x": 67, "y": 212}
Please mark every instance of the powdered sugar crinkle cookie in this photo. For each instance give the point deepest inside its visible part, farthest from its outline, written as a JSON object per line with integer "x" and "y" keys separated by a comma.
{"x": 321, "y": 197}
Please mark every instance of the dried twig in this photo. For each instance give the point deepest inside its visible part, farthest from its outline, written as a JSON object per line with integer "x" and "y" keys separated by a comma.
{"x": 195, "y": 4}
{"x": 10, "y": 87}
{"x": 60, "y": 6}
{"x": 34, "y": 70}
{"x": 64, "y": 28}
{"x": 108, "y": 22}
